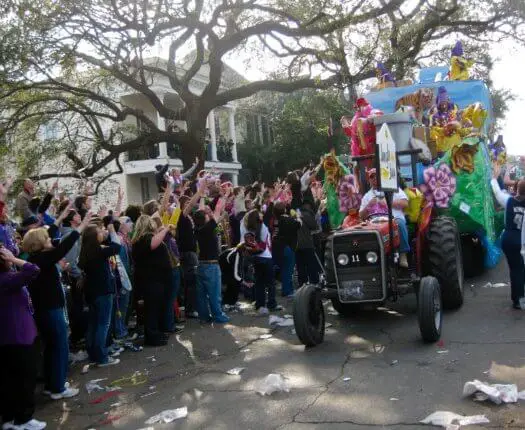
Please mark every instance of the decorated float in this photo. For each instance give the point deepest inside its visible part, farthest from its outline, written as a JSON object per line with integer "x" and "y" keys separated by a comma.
{"x": 449, "y": 117}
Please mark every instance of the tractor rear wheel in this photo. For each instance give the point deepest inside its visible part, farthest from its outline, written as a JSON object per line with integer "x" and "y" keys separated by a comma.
{"x": 345, "y": 309}
{"x": 445, "y": 261}
{"x": 429, "y": 310}
{"x": 308, "y": 315}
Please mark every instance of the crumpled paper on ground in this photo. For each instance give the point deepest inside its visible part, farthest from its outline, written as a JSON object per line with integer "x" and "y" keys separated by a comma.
{"x": 273, "y": 383}
{"x": 93, "y": 385}
{"x": 281, "y": 322}
{"x": 168, "y": 416}
{"x": 235, "y": 371}
{"x": 453, "y": 421}
{"x": 497, "y": 393}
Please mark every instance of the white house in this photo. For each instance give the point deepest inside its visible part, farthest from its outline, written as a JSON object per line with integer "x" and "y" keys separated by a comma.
{"x": 226, "y": 124}
{"x": 138, "y": 178}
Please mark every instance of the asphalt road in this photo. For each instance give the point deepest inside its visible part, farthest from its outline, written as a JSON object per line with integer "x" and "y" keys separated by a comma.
{"x": 396, "y": 380}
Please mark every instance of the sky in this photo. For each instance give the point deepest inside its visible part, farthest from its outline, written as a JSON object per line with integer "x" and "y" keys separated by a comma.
{"x": 506, "y": 74}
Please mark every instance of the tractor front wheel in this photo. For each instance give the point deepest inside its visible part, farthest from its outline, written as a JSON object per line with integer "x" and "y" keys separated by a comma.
{"x": 308, "y": 315}
{"x": 429, "y": 309}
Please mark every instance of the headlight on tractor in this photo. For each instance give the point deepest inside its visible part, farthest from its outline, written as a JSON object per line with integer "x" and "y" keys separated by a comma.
{"x": 371, "y": 257}
{"x": 342, "y": 259}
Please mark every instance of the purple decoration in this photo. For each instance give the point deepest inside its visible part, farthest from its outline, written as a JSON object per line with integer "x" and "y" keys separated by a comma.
{"x": 383, "y": 74}
{"x": 439, "y": 186}
{"x": 457, "y": 51}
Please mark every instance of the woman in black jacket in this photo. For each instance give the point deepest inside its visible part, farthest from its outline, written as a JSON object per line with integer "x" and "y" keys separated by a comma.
{"x": 47, "y": 295}
{"x": 99, "y": 288}
{"x": 153, "y": 276}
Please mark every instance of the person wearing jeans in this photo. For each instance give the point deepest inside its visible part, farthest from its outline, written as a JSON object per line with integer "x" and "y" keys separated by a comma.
{"x": 48, "y": 299}
{"x": 99, "y": 289}
{"x": 209, "y": 284}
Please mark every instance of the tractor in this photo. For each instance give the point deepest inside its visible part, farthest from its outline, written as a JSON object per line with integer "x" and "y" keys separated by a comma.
{"x": 361, "y": 264}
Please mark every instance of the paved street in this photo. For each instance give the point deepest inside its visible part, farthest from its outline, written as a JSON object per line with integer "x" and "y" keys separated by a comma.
{"x": 395, "y": 379}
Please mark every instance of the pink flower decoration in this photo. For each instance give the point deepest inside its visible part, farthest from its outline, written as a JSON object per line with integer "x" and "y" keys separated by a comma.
{"x": 439, "y": 186}
{"x": 348, "y": 194}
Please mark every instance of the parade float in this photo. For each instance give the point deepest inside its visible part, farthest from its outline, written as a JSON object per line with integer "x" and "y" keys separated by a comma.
{"x": 449, "y": 117}
{"x": 432, "y": 139}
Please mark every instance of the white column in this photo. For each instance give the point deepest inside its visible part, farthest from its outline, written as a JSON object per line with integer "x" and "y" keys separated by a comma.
{"x": 235, "y": 179}
{"x": 211, "y": 126}
{"x": 259, "y": 126}
{"x": 233, "y": 137}
{"x": 163, "y": 146}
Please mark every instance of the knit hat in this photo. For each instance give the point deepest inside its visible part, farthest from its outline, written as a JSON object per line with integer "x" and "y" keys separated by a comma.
{"x": 457, "y": 51}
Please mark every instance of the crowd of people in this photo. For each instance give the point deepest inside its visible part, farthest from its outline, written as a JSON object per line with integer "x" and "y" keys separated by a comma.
{"x": 70, "y": 276}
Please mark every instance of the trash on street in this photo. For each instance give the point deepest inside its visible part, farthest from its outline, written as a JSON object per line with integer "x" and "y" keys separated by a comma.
{"x": 235, "y": 371}
{"x": 273, "y": 383}
{"x": 93, "y": 385}
{"x": 281, "y": 322}
{"x": 168, "y": 416}
{"x": 496, "y": 393}
{"x": 453, "y": 421}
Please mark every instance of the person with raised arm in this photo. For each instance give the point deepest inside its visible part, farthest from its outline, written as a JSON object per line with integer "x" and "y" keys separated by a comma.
{"x": 47, "y": 295}
{"x": 513, "y": 234}
{"x": 18, "y": 352}
{"x": 209, "y": 284}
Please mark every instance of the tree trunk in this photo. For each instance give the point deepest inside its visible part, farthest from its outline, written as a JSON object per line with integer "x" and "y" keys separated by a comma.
{"x": 194, "y": 143}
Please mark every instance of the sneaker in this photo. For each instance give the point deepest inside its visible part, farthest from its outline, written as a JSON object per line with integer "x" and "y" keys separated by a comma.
{"x": 115, "y": 351}
{"x": 193, "y": 314}
{"x": 48, "y": 393}
{"x": 66, "y": 394}
{"x": 30, "y": 425}
{"x": 276, "y": 308}
{"x": 263, "y": 311}
{"x": 403, "y": 261}
{"x": 221, "y": 319}
{"x": 111, "y": 362}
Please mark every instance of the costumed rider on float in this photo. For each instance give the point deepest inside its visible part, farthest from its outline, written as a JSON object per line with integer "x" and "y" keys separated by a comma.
{"x": 374, "y": 205}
